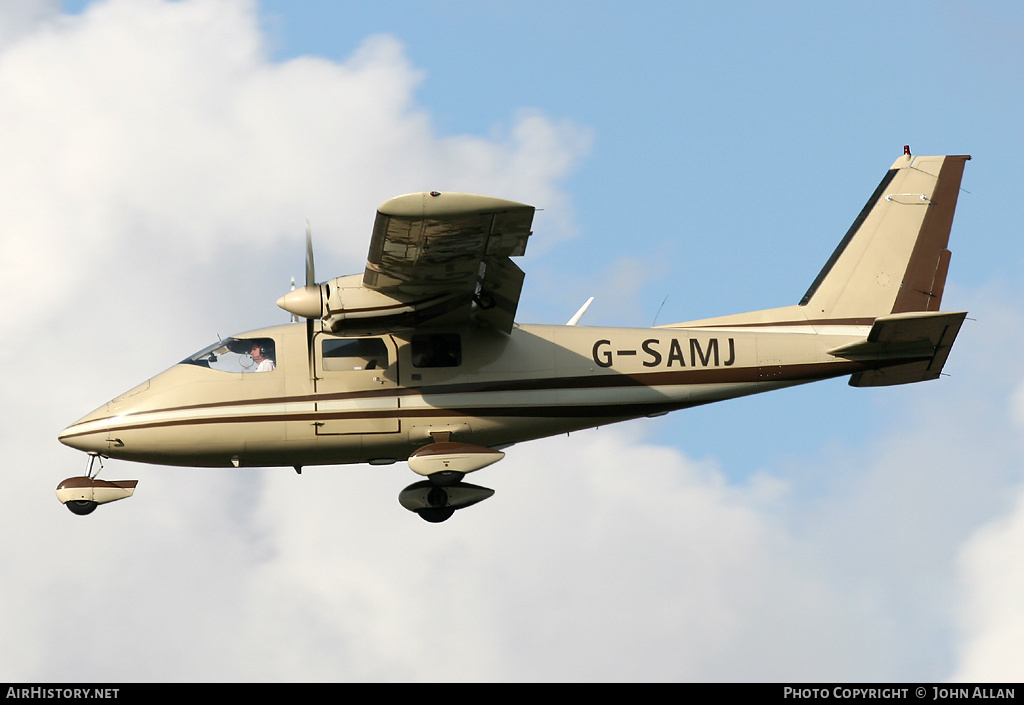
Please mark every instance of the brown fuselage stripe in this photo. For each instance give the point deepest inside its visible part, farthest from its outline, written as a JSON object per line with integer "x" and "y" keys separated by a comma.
{"x": 641, "y": 379}
{"x": 766, "y": 374}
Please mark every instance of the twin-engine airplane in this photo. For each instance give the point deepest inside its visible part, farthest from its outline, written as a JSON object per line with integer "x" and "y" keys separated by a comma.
{"x": 419, "y": 357}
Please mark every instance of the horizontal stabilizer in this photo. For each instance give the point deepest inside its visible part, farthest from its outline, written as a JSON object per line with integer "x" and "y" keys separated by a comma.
{"x": 903, "y": 348}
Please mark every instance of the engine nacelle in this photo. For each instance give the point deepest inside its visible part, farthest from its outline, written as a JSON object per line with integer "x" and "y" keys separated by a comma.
{"x": 345, "y": 305}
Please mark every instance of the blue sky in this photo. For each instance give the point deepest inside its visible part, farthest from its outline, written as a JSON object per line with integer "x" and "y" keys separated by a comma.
{"x": 161, "y": 159}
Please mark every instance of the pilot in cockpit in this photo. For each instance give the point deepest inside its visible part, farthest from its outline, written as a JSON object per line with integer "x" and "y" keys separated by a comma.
{"x": 262, "y": 354}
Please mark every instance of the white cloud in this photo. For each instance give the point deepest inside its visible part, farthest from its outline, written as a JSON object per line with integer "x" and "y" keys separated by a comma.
{"x": 992, "y": 614}
{"x": 165, "y": 124}
{"x": 990, "y": 569}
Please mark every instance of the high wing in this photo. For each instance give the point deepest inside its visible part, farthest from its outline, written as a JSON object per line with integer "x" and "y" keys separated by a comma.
{"x": 435, "y": 259}
{"x": 453, "y": 245}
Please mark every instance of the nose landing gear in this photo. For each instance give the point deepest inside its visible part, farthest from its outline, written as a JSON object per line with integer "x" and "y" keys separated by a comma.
{"x": 83, "y": 494}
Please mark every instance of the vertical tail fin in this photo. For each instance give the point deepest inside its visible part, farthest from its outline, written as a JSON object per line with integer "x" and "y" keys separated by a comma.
{"x": 894, "y": 257}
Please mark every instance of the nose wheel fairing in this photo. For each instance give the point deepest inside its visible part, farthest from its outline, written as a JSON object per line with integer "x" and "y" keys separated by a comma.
{"x": 81, "y": 495}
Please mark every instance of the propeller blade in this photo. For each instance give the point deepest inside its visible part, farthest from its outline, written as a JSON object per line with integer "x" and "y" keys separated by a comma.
{"x": 310, "y": 284}
{"x": 310, "y": 271}
{"x": 306, "y": 302}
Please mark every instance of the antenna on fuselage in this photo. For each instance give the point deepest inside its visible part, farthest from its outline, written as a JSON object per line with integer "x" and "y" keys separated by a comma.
{"x": 658, "y": 312}
{"x": 579, "y": 314}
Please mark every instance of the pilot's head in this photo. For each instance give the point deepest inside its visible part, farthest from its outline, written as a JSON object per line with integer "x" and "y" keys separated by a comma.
{"x": 261, "y": 351}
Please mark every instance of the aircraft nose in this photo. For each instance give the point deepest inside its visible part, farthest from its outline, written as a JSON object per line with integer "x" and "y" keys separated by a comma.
{"x": 88, "y": 434}
{"x": 88, "y": 442}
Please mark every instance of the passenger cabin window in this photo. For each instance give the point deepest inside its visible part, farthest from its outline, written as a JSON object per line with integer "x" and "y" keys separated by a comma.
{"x": 436, "y": 350}
{"x": 237, "y": 355}
{"x": 355, "y": 354}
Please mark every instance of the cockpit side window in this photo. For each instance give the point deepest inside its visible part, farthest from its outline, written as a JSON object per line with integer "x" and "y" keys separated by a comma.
{"x": 237, "y": 355}
{"x": 340, "y": 354}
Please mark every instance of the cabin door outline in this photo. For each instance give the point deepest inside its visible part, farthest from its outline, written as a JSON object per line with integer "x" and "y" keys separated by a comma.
{"x": 356, "y": 383}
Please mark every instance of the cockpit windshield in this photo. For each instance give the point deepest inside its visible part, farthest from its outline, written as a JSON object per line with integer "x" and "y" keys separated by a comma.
{"x": 237, "y": 355}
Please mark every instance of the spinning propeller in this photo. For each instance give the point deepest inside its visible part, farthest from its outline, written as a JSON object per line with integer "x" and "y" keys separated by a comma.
{"x": 306, "y": 302}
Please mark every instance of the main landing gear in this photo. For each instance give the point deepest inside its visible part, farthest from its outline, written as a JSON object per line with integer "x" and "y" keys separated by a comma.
{"x": 83, "y": 494}
{"x": 436, "y": 503}
{"x": 445, "y": 464}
